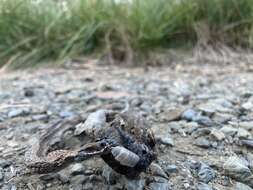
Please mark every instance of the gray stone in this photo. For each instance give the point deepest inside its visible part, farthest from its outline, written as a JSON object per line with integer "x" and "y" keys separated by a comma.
{"x": 162, "y": 134}
{"x": 166, "y": 140}
{"x": 173, "y": 114}
{"x": 189, "y": 114}
{"x": 137, "y": 184}
{"x": 19, "y": 112}
{"x": 1, "y": 174}
{"x": 64, "y": 114}
{"x": 156, "y": 170}
{"x": 110, "y": 175}
{"x": 228, "y": 130}
{"x": 95, "y": 120}
{"x": 49, "y": 177}
{"x": 248, "y": 125}
{"x": 241, "y": 186}
{"x": 248, "y": 143}
{"x": 222, "y": 117}
{"x": 78, "y": 179}
{"x": 204, "y": 120}
{"x": 4, "y": 163}
{"x": 77, "y": 169}
{"x": 64, "y": 178}
{"x": 202, "y": 142}
{"x": 247, "y": 106}
{"x": 203, "y": 186}
{"x": 243, "y": 133}
{"x": 159, "y": 186}
{"x": 236, "y": 168}
{"x": 206, "y": 173}
{"x": 217, "y": 135}
{"x": 159, "y": 179}
{"x": 40, "y": 117}
{"x": 207, "y": 108}
{"x": 88, "y": 186}
{"x": 13, "y": 187}
{"x": 171, "y": 169}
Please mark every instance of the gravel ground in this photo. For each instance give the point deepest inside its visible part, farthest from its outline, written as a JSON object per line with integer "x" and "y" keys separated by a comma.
{"x": 201, "y": 116}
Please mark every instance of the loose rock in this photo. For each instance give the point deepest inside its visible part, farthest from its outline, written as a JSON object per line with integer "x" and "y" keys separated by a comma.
{"x": 241, "y": 186}
{"x": 137, "y": 184}
{"x": 159, "y": 186}
{"x": 19, "y": 112}
{"x": 203, "y": 186}
{"x": 77, "y": 169}
{"x": 95, "y": 120}
{"x": 217, "y": 135}
{"x": 156, "y": 170}
{"x": 171, "y": 169}
{"x": 206, "y": 173}
{"x": 1, "y": 174}
{"x": 236, "y": 168}
{"x": 202, "y": 142}
{"x": 228, "y": 130}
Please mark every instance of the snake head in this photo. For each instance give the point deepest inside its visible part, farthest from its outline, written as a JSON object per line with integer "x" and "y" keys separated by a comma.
{"x": 95, "y": 148}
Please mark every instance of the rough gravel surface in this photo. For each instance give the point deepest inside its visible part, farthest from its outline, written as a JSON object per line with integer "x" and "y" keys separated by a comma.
{"x": 201, "y": 116}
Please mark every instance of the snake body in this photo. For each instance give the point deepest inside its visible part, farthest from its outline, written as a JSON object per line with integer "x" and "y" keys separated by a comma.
{"x": 123, "y": 142}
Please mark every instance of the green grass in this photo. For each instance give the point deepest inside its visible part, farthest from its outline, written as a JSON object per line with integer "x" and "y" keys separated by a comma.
{"x": 33, "y": 32}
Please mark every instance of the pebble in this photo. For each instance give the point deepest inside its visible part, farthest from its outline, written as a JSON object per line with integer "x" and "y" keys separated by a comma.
{"x": 40, "y": 117}
{"x": 207, "y": 108}
{"x": 243, "y": 133}
{"x": 192, "y": 115}
{"x": 203, "y": 186}
{"x": 248, "y": 125}
{"x": 64, "y": 178}
{"x": 206, "y": 173}
{"x": 248, "y": 143}
{"x": 247, "y": 106}
{"x": 137, "y": 184}
{"x": 167, "y": 140}
{"x": 64, "y": 114}
{"x": 78, "y": 179}
{"x": 222, "y": 117}
{"x": 202, "y": 142}
{"x": 217, "y": 135}
{"x": 19, "y": 112}
{"x": 229, "y": 130}
{"x": 4, "y": 163}
{"x": 13, "y": 187}
{"x": 87, "y": 186}
{"x": 95, "y": 120}
{"x": 173, "y": 114}
{"x": 204, "y": 120}
{"x": 159, "y": 186}
{"x": 156, "y": 170}
{"x": 241, "y": 186}
{"x": 236, "y": 168}
{"x": 48, "y": 177}
{"x": 1, "y": 174}
{"x": 171, "y": 169}
{"x": 77, "y": 169}
{"x": 189, "y": 114}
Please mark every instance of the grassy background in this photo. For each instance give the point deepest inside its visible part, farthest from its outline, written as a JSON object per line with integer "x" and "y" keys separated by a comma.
{"x": 33, "y": 31}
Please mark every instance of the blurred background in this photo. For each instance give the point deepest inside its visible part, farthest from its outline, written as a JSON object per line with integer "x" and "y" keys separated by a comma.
{"x": 36, "y": 31}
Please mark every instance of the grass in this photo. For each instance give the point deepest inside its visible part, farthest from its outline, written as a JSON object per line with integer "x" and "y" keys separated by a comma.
{"x": 37, "y": 31}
